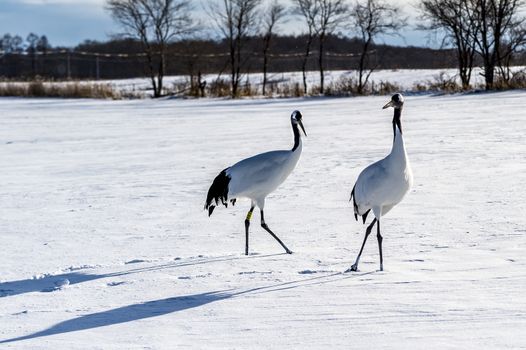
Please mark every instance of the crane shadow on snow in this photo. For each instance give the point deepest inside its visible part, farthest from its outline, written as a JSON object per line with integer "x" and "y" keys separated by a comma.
{"x": 127, "y": 314}
{"x": 50, "y": 283}
{"x": 166, "y": 306}
{"x": 47, "y": 283}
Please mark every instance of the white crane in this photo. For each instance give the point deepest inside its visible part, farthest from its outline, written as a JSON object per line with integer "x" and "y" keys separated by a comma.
{"x": 255, "y": 177}
{"x": 384, "y": 183}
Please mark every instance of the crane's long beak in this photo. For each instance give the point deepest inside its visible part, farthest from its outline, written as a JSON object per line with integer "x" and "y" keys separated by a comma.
{"x": 302, "y": 128}
{"x": 389, "y": 104}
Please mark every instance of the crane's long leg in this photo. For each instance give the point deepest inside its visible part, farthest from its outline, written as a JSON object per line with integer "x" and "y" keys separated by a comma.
{"x": 247, "y": 224}
{"x": 380, "y": 239}
{"x": 264, "y": 225}
{"x": 354, "y": 267}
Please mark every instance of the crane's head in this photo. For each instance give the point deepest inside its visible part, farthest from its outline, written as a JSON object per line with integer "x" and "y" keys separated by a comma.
{"x": 295, "y": 119}
{"x": 397, "y": 101}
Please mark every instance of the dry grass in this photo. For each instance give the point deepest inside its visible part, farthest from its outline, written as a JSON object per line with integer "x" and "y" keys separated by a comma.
{"x": 290, "y": 90}
{"x": 345, "y": 86}
{"x": 219, "y": 88}
{"x": 517, "y": 81}
{"x": 441, "y": 83}
{"x": 62, "y": 90}
{"x": 247, "y": 90}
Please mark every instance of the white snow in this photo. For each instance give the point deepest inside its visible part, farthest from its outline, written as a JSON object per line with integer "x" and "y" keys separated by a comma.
{"x": 109, "y": 195}
{"x": 406, "y": 79}
{"x": 409, "y": 80}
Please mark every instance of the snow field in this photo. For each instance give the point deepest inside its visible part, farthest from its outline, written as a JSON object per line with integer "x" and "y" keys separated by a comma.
{"x": 108, "y": 196}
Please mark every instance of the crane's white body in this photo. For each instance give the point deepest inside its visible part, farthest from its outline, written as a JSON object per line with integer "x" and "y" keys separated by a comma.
{"x": 384, "y": 183}
{"x": 257, "y": 176}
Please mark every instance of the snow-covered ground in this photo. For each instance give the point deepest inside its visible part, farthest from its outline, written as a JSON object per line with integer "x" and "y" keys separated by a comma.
{"x": 407, "y": 79}
{"x": 105, "y": 243}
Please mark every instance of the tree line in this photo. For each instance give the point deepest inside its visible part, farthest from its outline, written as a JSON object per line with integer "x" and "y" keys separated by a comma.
{"x": 492, "y": 31}
{"x": 161, "y": 37}
{"x": 123, "y": 58}
{"x": 155, "y": 22}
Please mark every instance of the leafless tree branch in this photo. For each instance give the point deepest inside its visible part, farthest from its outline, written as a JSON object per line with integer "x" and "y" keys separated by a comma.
{"x": 155, "y": 23}
{"x": 371, "y": 18}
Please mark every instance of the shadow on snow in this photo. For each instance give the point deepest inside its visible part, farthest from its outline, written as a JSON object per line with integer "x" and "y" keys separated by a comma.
{"x": 50, "y": 283}
{"x": 47, "y": 283}
{"x": 127, "y": 314}
{"x": 153, "y": 308}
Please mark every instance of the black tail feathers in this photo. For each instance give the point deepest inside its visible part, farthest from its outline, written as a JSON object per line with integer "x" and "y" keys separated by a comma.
{"x": 218, "y": 192}
{"x": 355, "y": 206}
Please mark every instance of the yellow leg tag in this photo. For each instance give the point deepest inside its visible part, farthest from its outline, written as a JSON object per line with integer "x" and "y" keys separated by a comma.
{"x": 249, "y": 215}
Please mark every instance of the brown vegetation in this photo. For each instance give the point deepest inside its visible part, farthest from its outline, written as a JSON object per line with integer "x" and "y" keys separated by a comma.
{"x": 58, "y": 89}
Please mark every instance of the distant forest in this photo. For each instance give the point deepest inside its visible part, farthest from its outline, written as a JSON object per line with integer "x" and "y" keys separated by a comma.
{"x": 165, "y": 37}
{"x": 124, "y": 58}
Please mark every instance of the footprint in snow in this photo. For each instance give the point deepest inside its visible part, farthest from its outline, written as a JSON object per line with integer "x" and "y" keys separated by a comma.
{"x": 113, "y": 284}
{"x": 57, "y": 285}
{"x": 134, "y": 261}
{"x": 205, "y": 275}
{"x": 310, "y": 272}
{"x": 25, "y": 312}
{"x": 254, "y": 272}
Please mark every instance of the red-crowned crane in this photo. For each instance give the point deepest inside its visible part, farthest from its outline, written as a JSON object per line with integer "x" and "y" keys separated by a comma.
{"x": 255, "y": 177}
{"x": 383, "y": 184}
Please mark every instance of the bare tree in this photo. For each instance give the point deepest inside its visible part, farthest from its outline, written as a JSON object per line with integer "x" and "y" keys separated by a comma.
{"x": 43, "y": 44}
{"x": 5, "y": 43}
{"x": 330, "y": 16}
{"x": 453, "y": 17}
{"x": 274, "y": 14}
{"x": 501, "y": 29}
{"x": 194, "y": 56}
{"x": 309, "y": 10}
{"x": 17, "y": 44}
{"x": 155, "y": 23}
{"x": 514, "y": 42}
{"x": 32, "y": 41}
{"x": 12, "y": 44}
{"x": 237, "y": 20}
{"x": 371, "y": 18}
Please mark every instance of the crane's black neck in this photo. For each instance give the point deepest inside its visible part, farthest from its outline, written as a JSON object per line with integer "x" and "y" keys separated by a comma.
{"x": 297, "y": 136}
{"x": 397, "y": 122}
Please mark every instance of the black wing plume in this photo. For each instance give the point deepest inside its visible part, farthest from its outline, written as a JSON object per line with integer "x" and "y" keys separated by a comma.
{"x": 218, "y": 192}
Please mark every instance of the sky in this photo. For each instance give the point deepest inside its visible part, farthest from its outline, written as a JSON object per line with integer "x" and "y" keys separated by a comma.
{"x": 69, "y": 22}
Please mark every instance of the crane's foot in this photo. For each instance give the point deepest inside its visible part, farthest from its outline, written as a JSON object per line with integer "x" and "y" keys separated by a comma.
{"x": 288, "y": 251}
{"x": 381, "y": 267}
{"x": 353, "y": 268}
